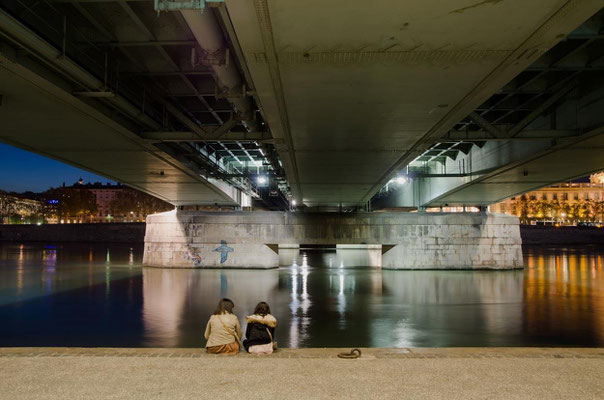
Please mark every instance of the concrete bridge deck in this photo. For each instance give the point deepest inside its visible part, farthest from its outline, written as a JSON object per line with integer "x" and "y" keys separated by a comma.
{"x": 440, "y": 373}
{"x": 327, "y": 102}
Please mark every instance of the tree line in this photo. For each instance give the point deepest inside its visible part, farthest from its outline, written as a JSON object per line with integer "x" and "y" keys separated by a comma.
{"x": 531, "y": 209}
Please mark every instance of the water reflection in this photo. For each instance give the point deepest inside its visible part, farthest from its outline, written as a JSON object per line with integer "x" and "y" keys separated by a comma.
{"x": 449, "y": 308}
{"x": 563, "y": 293}
{"x": 97, "y": 295}
{"x": 178, "y": 301}
{"x": 59, "y": 295}
{"x": 342, "y": 256}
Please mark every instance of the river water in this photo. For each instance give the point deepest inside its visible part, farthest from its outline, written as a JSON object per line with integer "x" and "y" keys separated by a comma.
{"x": 98, "y": 295}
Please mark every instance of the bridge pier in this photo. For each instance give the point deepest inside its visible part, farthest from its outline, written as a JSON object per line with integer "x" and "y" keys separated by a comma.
{"x": 195, "y": 239}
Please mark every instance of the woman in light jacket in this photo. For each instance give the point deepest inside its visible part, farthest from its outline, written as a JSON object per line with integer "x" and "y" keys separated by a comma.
{"x": 260, "y": 331}
{"x": 223, "y": 332}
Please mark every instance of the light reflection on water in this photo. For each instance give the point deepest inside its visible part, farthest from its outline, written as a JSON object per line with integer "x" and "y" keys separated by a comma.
{"x": 98, "y": 295}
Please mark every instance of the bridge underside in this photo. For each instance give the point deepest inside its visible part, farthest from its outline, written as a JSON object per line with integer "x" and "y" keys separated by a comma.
{"x": 325, "y": 101}
{"x": 39, "y": 116}
{"x": 353, "y": 94}
{"x": 545, "y": 126}
{"x": 112, "y": 88}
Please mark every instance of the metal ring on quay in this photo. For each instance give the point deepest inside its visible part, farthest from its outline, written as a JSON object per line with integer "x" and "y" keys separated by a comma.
{"x": 354, "y": 353}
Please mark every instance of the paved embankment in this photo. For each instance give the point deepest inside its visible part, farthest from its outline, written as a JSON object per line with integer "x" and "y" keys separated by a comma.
{"x": 114, "y": 232}
{"x": 445, "y": 373}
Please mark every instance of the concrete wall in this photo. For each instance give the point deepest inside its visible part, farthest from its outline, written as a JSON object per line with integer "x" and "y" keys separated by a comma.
{"x": 409, "y": 240}
{"x": 117, "y": 232}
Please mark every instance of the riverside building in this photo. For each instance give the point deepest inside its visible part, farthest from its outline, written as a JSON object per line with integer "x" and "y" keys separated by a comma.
{"x": 566, "y": 203}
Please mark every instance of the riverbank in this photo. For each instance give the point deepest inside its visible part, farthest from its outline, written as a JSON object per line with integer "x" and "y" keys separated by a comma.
{"x": 130, "y": 232}
{"x": 434, "y": 373}
{"x": 563, "y": 235}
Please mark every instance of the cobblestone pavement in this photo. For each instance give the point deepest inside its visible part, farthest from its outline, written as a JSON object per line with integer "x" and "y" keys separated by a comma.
{"x": 442, "y": 373}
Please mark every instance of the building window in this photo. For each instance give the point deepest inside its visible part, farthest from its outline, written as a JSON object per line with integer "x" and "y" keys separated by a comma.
{"x": 586, "y": 196}
{"x": 555, "y": 196}
{"x": 576, "y": 196}
{"x": 565, "y": 196}
{"x": 543, "y": 196}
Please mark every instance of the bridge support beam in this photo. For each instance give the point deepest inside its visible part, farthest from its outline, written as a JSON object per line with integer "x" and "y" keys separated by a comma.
{"x": 195, "y": 239}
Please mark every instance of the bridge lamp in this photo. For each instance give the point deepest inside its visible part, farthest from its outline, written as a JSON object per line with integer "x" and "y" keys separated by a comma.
{"x": 401, "y": 180}
{"x": 262, "y": 180}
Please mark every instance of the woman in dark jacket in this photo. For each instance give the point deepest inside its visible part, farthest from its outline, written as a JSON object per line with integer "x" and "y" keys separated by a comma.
{"x": 260, "y": 330}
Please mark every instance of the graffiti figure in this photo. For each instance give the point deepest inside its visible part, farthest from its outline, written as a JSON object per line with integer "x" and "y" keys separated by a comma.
{"x": 224, "y": 251}
{"x": 195, "y": 257}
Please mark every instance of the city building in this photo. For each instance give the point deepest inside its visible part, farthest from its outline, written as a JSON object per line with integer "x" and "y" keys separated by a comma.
{"x": 98, "y": 203}
{"x": 564, "y": 203}
{"x": 105, "y": 197}
{"x": 16, "y": 210}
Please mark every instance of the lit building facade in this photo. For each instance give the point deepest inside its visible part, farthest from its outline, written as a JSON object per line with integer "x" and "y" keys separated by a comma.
{"x": 105, "y": 195}
{"x": 19, "y": 210}
{"x": 565, "y": 203}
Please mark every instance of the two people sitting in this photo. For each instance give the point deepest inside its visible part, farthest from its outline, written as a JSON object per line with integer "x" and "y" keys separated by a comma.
{"x": 223, "y": 332}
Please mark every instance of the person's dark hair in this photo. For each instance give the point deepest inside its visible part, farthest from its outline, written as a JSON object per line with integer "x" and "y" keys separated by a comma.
{"x": 225, "y": 306}
{"x": 262, "y": 308}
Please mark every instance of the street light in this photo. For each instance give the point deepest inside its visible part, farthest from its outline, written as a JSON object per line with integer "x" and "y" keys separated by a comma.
{"x": 261, "y": 180}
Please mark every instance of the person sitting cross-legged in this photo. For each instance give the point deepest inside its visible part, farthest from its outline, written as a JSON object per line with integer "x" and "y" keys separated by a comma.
{"x": 260, "y": 330}
{"x": 223, "y": 333}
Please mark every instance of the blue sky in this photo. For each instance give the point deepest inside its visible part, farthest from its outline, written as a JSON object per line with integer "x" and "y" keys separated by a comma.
{"x": 21, "y": 170}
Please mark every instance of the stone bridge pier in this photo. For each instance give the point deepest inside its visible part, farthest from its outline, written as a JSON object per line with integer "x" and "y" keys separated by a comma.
{"x": 194, "y": 239}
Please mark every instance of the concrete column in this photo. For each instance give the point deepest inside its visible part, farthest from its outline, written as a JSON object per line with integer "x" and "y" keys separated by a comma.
{"x": 457, "y": 243}
{"x": 288, "y": 253}
{"x": 358, "y": 255}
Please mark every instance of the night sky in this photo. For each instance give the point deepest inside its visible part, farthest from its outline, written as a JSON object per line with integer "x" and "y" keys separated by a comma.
{"x": 21, "y": 171}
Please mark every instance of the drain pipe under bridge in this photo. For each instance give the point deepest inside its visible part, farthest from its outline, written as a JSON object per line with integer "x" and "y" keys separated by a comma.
{"x": 209, "y": 37}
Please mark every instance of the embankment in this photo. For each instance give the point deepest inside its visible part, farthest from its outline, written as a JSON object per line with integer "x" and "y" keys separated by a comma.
{"x": 135, "y": 233}
{"x": 114, "y": 232}
{"x": 563, "y": 235}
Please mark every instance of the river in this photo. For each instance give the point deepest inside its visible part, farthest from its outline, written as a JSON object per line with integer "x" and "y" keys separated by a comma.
{"x": 99, "y": 295}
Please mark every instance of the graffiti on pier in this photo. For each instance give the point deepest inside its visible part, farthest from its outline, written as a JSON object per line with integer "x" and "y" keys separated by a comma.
{"x": 224, "y": 251}
{"x": 194, "y": 256}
